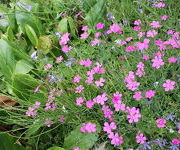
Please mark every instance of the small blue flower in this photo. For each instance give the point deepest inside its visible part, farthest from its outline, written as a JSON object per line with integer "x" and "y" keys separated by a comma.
{"x": 170, "y": 117}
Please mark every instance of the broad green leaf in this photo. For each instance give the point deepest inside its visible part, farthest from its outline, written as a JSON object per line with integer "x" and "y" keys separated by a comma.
{"x": 24, "y": 18}
{"x": 28, "y": 5}
{"x": 23, "y": 67}
{"x": 8, "y": 142}
{"x": 10, "y": 33}
{"x": 96, "y": 13}
{"x": 56, "y": 148}
{"x": 87, "y": 4}
{"x": 7, "y": 60}
{"x": 63, "y": 26}
{"x": 31, "y": 35}
{"x": 82, "y": 140}
{"x": 72, "y": 26}
{"x": 24, "y": 85}
{"x": 4, "y": 23}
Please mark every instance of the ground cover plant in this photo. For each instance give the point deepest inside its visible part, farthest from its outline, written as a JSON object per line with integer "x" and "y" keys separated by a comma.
{"x": 79, "y": 74}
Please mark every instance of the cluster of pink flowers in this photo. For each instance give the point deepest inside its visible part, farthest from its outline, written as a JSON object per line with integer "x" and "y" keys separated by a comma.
{"x": 79, "y": 89}
{"x": 157, "y": 62}
{"x": 133, "y": 114}
{"x": 86, "y": 63}
{"x": 99, "y": 26}
{"x": 116, "y": 140}
{"x": 32, "y": 111}
{"x": 101, "y": 99}
{"x": 140, "y": 72}
{"x": 140, "y": 138}
{"x": 84, "y": 35}
{"x": 79, "y": 101}
{"x": 142, "y": 45}
{"x": 161, "y": 123}
{"x": 151, "y": 33}
{"x": 114, "y": 29}
{"x": 59, "y": 59}
{"x": 48, "y": 122}
{"x": 64, "y": 41}
{"x": 131, "y": 83}
{"x": 169, "y": 85}
{"x": 100, "y": 82}
{"x": 118, "y": 105}
{"x": 77, "y": 79}
{"x": 160, "y": 5}
{"x": 155, "y": 24}
{"x": 88, "y": 127}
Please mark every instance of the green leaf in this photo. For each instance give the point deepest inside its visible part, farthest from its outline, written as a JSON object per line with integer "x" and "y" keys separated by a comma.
{"x": 8, "y": 142}
{"x": 7, "y": 60}
{"x": 63, "y": 26}
{"x": 82, "y": 140}
{"x": 87, "y": 4}
{"x": 96, "y": 13}
{"x": 56, "y": 148}
{"x": 10, "y": 33}
{"x": 72, "y": 26}
{"x": 24, "y": 85}
{"x": 23, "y": 67}
{"x": 24, "y": 18}
{"x": 31, "y": 35}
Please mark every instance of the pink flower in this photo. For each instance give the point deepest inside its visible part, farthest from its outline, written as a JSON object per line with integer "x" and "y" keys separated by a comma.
{"x": 179, "y": 131}
{"x": 117, "y": 140}
{"x": 164, "y": 18}
{"x": 133, "y": 85}
{"x": 137, "y": 95}
{"x": 86, "y": 63}
{"x": 169, "y": 85}
{"x": 116, "y": 29}
{"x": 157, "y": 62}
{"x": 85, "y": 28}
{"x": 89, "y": 104}
{"x": 122, "y": 43}
{"x": 79, "y": 89}
{"x": 141, "y": 34}
{"x": 155, "y": 24}
{"x": 116, "y": 97}
{"x": 66, "y": 48}
{"x": 47, "y": 67}
{"x": 79, "y": 101}
{"x": 48, "y": 122}
{"x": 95, "y": 42}
{"x": 89, "y": 80}
{"x": 161, "y": 123}
{"x": 101, "y": 99}
{"x": 99, "y": 26}
{"x": 133, "y": 114}
{"x": 64, "y": 39}
{"x": 137, "y": 28}
{"x": 107, "y": 112}
{"x": 97, "y": 34}
{"x": 151, "y": 33}
{"x": 137, "y": 22}
{"x": 84, "y": 36}
{"x": 145, "y": 57}
{"x": 150, "y": 94}
{"x": 76, "y": 148}
{"x": 140, "y": 138}
{"x": 109, "y": 127}
{"x": 140, "y": 72}
{"x": 119, "y": 106}
{"x": 129, "y": 39}
{"x": 130, "y": 48}
{"x": 176, "y": 141}
{"x": 59, "y": 59}
{"x": 172, "y": 60}
{"x": 77, "y": 79}
{"x": 100, "y": 82}
{"x": 88, "y": 127}
{"x": 159, "y": 5}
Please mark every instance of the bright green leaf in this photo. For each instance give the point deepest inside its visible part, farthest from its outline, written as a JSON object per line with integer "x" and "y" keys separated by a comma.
{"x": 23, "y": 66}
{"x": 31, "y": 35}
